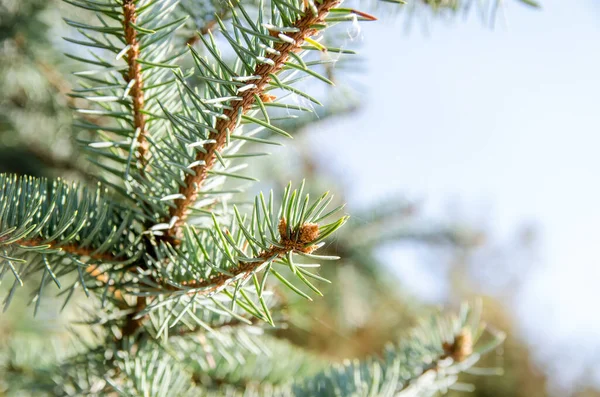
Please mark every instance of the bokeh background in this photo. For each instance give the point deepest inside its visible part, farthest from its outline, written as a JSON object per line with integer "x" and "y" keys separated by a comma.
{"x": 464, "y": 140}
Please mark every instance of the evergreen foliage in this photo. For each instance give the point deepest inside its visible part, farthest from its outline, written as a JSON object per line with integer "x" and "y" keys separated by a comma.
{"x": 182, "y": 272}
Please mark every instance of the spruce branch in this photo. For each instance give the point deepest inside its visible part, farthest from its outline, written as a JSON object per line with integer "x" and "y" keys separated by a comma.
{"x": 125, "y": 88}
{"x": 53, "y": 228}
{"x": 306, "y": 234}
{"x": 302, "y": 29}
{"x": 168, "y": 150}
{"x": 426, "y": 361}
{"x": 215, "y": 266}
{"x": 134, "y": 77}
{"x": 71, "y": 249}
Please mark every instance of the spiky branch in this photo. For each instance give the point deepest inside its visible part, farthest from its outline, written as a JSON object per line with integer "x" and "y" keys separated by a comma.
{"x": 226, "y": 125}
{"x": 307, "y": 233}
{"x": 134, "y": 77}
{"x": 72, "y": 249}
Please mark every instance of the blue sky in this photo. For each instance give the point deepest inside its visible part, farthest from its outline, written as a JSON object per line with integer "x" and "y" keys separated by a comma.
{"x": 507, "y": 123}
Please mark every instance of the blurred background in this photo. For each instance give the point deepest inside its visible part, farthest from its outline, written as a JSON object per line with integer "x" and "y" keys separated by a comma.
{"x": 464, "y": 140}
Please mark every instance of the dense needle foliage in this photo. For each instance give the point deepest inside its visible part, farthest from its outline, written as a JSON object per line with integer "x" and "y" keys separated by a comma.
{"x": 183, "y": 271}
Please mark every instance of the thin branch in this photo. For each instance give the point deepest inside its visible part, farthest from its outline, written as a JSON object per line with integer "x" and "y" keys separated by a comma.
{"x": 308, "y": 232}
{"x": 457, "y": 351}
{"x": 93, "y": 269}
{"x": 224, "y": 126}
{"x": 245, "y": 269}
{"x": 139, "y": 122}
{"x": 68, "y": 248}
{"x": 135, "y": 75}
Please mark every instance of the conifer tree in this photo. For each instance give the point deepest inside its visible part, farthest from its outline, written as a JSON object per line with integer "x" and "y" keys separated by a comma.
{"x": 181, "y": 271}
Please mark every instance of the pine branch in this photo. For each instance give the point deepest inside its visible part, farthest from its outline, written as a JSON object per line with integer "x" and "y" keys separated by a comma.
{"x": 134, "y": 78}
{"x": 459, "y": 350}
{"x": 218, "y": 266}
{"x": 55, "y": 228}
{"x": 304, "y": 28}
{"x": 139, "y": 120}
{"x": 125, "y": 83}
{"x": 72, "y": 249}
{"x": 307, "y": 233}
{"x": 268, "y": 371}
{"x": 425, "y": 362}
{"x": 199, "y": 275}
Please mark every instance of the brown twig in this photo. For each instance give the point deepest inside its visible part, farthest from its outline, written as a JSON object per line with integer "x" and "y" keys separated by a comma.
{"x": 93, "y": 269}
{"x": 308, "y": 232}
{"x": 297, "y": 241}
{"x": 68, "y": 248}
{"x": 136, "y": 92}
{"x": 193, "y": 182}
{"x": 135, "y": 76}
{"x": 224, "y": 126}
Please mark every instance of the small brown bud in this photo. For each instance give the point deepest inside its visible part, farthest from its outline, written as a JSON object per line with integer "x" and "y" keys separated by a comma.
{"x": 462, "y": 346}
{"x": 308, "y": 232}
